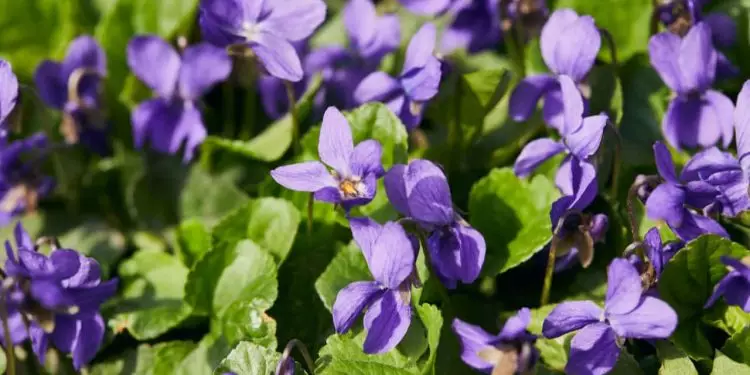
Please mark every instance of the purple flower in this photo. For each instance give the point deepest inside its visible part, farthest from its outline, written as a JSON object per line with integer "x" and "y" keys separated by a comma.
{"x": 73, "y": 86}
{"x": 574, "y": 231}
{"x": 353, "y": 180}
{"x": 420, "y": 191}
{"x": 569, "y": 46}
{"x": 671, "y": 200}
{"x": 285, "y": 366}
{"x": 627, "y": 314}
{"x": 581, "y": 136}
{"x": 8, "y": 95}
{"x": 390, "y": 255}
{"x": 510, "y": 352}
{"x": 658, "y": 254}
{"x": 273, "y": 94}
{"x": 680, "y": 15}
{"x": 418, "y": 82}
{"x": 475, "y": 27}
{"x": 427, "y": 7}
{"x": 735, "y": 286}
{"x": 697, "y": 116}
{"x": 21, "y": 180}
{"x": 173, "y": 118}
{"x": 266, "y": 27}
{"x": 60, "y": 295}
{"x": 531, "y": 14}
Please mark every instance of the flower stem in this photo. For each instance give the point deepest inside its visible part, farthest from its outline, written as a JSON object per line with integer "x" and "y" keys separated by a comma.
{"x": 248, "y": 120}
{"x": 293, "y": 112}
{"x": 11, "y": 359}
{"x": 549, "y": 272}
{"x": 310, "y": 205}
{"x": 228, "y": 100}
{"x": 303, "y": 349}
{"x": 632, "y": 196}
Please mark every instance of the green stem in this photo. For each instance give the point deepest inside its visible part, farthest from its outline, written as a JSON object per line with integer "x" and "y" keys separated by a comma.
{"x": 611, "y": 44}
{"x": 303, "y": 349}
{"x": 248, "y": 128}
{"x": 632, "y": 196}
{"x": 549, "y": 272}
{"x": 293, "y": 112}
{"x": 228, "y": 100}
{"x": 8, "y": 339}
{"x": 310, "y": 205}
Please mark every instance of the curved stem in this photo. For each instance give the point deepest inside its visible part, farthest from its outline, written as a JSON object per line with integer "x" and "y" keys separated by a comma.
{"x": 293, "y": 112}
{"x": 549, "y": 272}
{"x": 303, "y": 349}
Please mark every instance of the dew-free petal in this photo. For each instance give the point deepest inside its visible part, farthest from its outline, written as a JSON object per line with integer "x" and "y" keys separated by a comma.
{"x": 395, "y": 188}
{"x": 719, "y": 110}
{"x": 50, "y": 83}
{"x": 666, "y": 203}
{"x": 306, "y": 176}
{"x": 577, "y": 47}
{"x": 365, "y": 231}
{"x": 378, "y": 86}
{"x": 278, "y": 56}
{"x": 593, "y": 351}
{"x": 584, "y": 142}
{"x": 203, "y": 66}
{"x": 155, "y": 63}
{"x": 651, "y": 319}
{"x": 428, "y": 192}
{"x": 516, "y": 325}
{"x": 526, "y": 95}
{"x": 664, "y": 164}
{"x": 335, "y": 145}
{"x": 572, "y": 105}
{"x": 623, "y": 287}
{"x": 697, "y": 58}
{"x": 420, "y": 50}
{"x": 473, "y": 339}
{"x": 570, "y": 316}
{"x": 534, "y": 154}
{"x": 8, "y": 90}
{"x": 742, "y": 121}
{"x": 386, "y": 321}
{"x": 664, "y": 48}
{"x": 366, "y": 158}
{"x": 350, "y": 302}
{"x": 552, "y": 31}
{"x": 392, "y": 257}
{"x": 294, "y": 20}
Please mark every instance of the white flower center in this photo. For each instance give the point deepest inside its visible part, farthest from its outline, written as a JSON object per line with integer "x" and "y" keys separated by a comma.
{"x": 352, "y": 187}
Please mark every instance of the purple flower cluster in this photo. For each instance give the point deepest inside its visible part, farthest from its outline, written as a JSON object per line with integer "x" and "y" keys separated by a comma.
{"x": 54, "y": 299}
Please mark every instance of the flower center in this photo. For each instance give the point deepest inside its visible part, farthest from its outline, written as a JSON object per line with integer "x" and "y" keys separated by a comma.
{"x": 352, "y": 187}
{"x": 250, "y": 30}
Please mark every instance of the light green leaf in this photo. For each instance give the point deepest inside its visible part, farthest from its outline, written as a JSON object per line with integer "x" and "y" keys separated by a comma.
{"x": 162, "y": 17}
{"x": 432, "y": 320}
{"x": 247, "y": 321}
{"x": 208, "y": 197}
{"x": 520, "y": 208}
{"x": 153, "y": 295}
{"x": 96, "y": 239}
{"x": 738, "y": 346}
{"x": 342, "y": 355}
{"x": 723, "y": 365}
{"x": 730, "y": 319}
{"x": 138, "y": 361}
{"x": 205, "y": 357}
{"x": 554, "y": 352}
{"x": 249, "y": 359}
{"x": 688, "y": 281}
{"x": 347, "y": 266}
{"x": 194, "y": 240}
{"x": 673, "y": 361}
{"x": 376, "y": 121}
{"x": 168, "y": 355}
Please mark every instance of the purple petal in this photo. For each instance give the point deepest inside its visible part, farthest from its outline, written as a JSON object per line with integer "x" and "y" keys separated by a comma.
{"x": 307, "y": 176}
{"x": 553, "y": 110}
{"x": 386, "y": 321}
{"x": 39, "y": 341}
{"x": 422, "y": 84}
{"x": 457, "y": 254}
{"x": 294, "y": 20}
{"x": 706, "y": 163}
{"x": 84, "y": 52}
{"x": 392, "y": 257}
{"x": 666, "y": 203}
{"x": 694, "y": 225}
{"x": 691, "y": 122}
{"x": 584, "y": 142}
{"x": 515, "y": 326}
{"x": 335, "y": 145}
{"x": 51, "y": 84}
{"x": 426, "y": 7}
{"x": 22, "y": 237}
{"x": 366, "y": 158}
{"x": 8, "y": 90}
{"x": 395, "y": 188}
{"x": 652, "y": 240}
{"x": 570, "y": 316}
{"x": 651, "y": 319}
{"x": 527, "y": 93}
{"x": 377, "y": 86}
{"x": 576, "y": 49}
{"x": 328, "y": 194}
{"x": 188, "y": 131}
{"x": 664, "y": 163}
{"x": 387, "y": 38}
{"x": 733, "y": 281}
{"x": 534, "y": 154}
{"x": 623, "y": 287}
{"x": 572, "y": 105}
{"x": 155, "y": 63}
{"x": 365, "y": 231}
{"x": 365, "y": 192}
{"x": 473, "y": 339}
{"x": 278, "y": 56}
{"x": 697, "y": 58}
{"x": 593, "y": 351}
{"x": 583, "y": 182}
{"x": 742, "y": 121}
{"x": 222, "y": 21}
{"x": 350, "y": 302}
{"x": 737, "y": 265}
{"x": 65, "y": 263}
{"x": 664, "y": 49}
{"x": 203, "y": 66}
{"x": 421, "y": 48}
{"x": 723, "y": 29}
{"x": 88, "y": 340}
{"x": 428, "y": 193}
{"x": 719, "y": 112}
{"x": 371, "y": 36}
{"x": 552, "y": 31}
{"x": 143, "y": 116}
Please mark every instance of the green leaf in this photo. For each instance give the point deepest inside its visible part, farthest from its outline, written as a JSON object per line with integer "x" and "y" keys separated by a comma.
{"x": 96, "y": 239}
{"x": 520, "y": 208}
{"x": 347, "y": 266}
{"x": 249, "y": 359}
{"x": 738, "y": 346}
{"x": 162, "y": 17}
{"x": 554, "y": 352}
{"x": 208, "y": 197}
{"x": 138, "y": 361}
{"x": 626, "y": 365}
{"x": 152, "y": 299}
{"x": 376, "y": 121}
{"x": 247, "y": 321}
{"x": 228, "y": 274}
{"x": 629, "y": 26}
{"x": 342, "y": 355}
{"x": 730, "y": 319}
{"x": 723, "y": 365}
{"x": 688, "y": 281}
{"x": 194, "y": 240}
{"x": 433, "y": 323}
{"x": 275, "y": 140}
{"x": 168, "y": 355}
{"x": 606, "y": 92}
{"x": 205, "y": 357}
{"x": 673, "y": 361}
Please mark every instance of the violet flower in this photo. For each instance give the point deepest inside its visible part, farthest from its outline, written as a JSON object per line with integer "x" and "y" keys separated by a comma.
{"x": 575, "y": 232}
{"x": 21, "y": 180}
{"x": 266, "y": 27}
{"x": 173, "y": 117}
{"x": 353, "y": 180}
{"x": 569, "y": 46}
{"x": 581, "y": 136}
{"x": 680, "y": 15}
{"x": 60, "y": 295}
{"x": 675, "y": 200}
{"x": 285, "y": 366}
{"x": 475, "y": 27}
{"x": 390, "y": 254}
{"x": 273, "y": 93}
{"x": 427, "y": 7}
{"x": 627, "y": 314}
{"x": 696, "y": 116}
{"x": 531, "y": 14}
{"x": 73, "y": 86}
{"x": 735, "y": 286}
{"x": 420, "y": 192}
{"x": 417, "y": 84}
{"x": 657, "y": 254}
{"x": 8, "y": 96}
{"x": 510, "y": 352}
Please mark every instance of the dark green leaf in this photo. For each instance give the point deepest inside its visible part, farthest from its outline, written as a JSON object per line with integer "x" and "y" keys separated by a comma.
{"x": 738, "y": 346}
{"x": 347, "y": 266}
